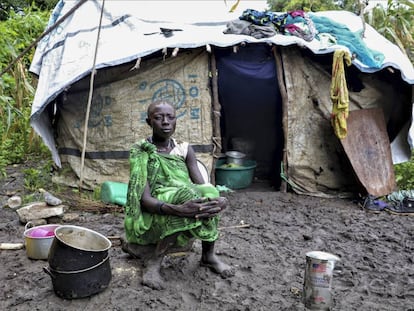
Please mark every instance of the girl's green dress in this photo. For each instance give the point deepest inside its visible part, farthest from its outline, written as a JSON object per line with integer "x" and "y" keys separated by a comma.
{"x": 170, "y": 182}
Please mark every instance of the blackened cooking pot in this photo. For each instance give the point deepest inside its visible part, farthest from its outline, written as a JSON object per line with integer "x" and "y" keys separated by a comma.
{"x": 81, "y": 283}
{"x": 75, "y": 248}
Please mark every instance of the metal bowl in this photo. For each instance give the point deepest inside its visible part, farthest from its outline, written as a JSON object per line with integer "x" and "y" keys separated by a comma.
{"x": 235, "y": 157}
{"x": 38, "y": 245}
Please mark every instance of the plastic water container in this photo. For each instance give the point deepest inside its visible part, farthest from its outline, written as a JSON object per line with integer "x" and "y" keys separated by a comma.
{"x": 114, "y": 192}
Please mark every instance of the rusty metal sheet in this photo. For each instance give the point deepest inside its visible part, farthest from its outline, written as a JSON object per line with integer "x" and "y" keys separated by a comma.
{"x": 368, "y": 148}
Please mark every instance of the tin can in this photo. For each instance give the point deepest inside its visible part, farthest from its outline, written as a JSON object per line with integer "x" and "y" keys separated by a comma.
{"x": 318, "y": 280}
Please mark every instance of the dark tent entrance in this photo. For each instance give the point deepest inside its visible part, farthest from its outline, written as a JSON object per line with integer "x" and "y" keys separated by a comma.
{"x": 249, "y": 95}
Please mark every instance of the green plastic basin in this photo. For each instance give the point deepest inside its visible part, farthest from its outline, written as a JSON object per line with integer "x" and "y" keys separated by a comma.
{"x": 235, "y": 177}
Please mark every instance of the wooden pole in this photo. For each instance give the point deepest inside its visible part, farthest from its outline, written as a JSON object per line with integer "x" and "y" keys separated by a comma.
{"x": 281, "y": 81}
{"x": 88, "y": 107}
{"x": 217, "y": 142}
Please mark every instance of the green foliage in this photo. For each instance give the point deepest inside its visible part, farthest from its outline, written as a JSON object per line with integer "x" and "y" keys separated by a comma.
{"x": 89, "y": 195}
{"x": 17, "y": 86}
{"x": 7, "y": 7}
{"x": 306, "y": 5}
{"x": 96, "y": 194}
{"x": 32, "y": 179}
{"x": 404, "y": 175}
{"x": 395, "y": 22}
{"x": 39, "y": 177}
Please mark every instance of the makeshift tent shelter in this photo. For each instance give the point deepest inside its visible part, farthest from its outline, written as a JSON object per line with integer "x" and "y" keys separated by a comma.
{"x": 269, "y": 96}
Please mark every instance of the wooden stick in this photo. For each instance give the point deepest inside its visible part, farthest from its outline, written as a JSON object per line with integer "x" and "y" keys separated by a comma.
{"x": 114, "y": 237}
{"x": 235, "y": 227}
{"x": 90, "y": 95}
{"x": 11, "y": 246}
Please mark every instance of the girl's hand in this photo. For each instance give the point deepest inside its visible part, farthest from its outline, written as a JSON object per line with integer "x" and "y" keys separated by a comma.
{"x": 212, "y": 207}
{"x": 199, "y": 208}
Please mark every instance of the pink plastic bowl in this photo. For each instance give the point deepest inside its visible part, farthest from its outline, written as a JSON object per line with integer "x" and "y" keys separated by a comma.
{"x": 41, "y": 233}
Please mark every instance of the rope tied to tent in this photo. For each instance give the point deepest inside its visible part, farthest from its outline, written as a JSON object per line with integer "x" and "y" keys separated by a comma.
{"x": 339, "y": 93}
{"x": 88, "y": 108}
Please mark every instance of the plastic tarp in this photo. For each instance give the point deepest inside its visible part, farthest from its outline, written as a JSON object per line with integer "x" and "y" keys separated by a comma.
{"x": 118, "y": 115}
{"x": 66, "y": 54}
{"x": 317, "y": 163}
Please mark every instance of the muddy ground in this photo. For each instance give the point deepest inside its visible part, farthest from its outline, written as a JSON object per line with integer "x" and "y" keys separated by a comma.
{"x": 376, "y": 271}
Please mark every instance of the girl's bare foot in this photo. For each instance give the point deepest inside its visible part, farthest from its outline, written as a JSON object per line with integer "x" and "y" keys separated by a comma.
{"x": 152, "y": 274}
{"x": 217, "y": 266}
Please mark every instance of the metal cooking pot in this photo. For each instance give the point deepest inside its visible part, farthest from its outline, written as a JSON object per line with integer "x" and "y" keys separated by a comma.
{"x": 38, "y": 240}
{"x": 235, "y": 157}
{"x": 81, "y": 283}
{"x": 75, "y": 248}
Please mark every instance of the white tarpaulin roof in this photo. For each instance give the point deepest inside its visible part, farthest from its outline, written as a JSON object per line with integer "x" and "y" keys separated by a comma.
{"x": 127, "y": 33}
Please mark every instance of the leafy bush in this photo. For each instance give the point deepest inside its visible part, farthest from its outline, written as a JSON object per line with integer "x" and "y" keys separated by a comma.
{"x": 9, "y": 6}
{"x": 17, "y": 86}
{"x": 404, "y": 175}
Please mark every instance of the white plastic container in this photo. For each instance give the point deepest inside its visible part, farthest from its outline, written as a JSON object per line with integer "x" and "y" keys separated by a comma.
{"x": 318, "y": 280}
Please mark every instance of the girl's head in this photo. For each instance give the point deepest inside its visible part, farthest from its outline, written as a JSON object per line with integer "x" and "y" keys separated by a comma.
{"x": 162, "y": 119}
